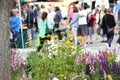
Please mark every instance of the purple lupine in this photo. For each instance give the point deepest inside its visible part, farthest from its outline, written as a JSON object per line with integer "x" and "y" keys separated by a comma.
{"x": 73, "y": 78}
{"x": 104, "y": 65}
{"x": 82, "y": 59}
{"x": 14, "y": 62}
{"x": 88, "y": 70}
{"x": 21, "y": 61}
{"x": 77, "y": 61}
{"x": 100, "y": 56}
{"x": 88, "y": 60}
{"x": 30, "y": 77}
{"x": 21, "y": 79}
{"x": 114, "y": 65}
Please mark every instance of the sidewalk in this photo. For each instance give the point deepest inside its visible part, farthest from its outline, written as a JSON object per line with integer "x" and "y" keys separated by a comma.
{"x": 93, "y": 48}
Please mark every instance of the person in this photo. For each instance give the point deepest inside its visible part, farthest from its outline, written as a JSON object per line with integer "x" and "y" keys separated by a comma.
{"x": 101, "y": 14}
{"x": 59, "y": 23}
{"x": 51, "y": 14}
{"x": 82, "y": 29}
{"x": 44, "y": 23}
{"x": 64, "y": 12}
{"x": 29, "y": 21}
{"x": 116, "y": 13}
{"x": 14, "y": 26}
{"x": 90, "y": 23}
{"x": 35, "y": 11}
{"x": 108, "y": 24}
{"x": 74, "y": 24}
{"x": 70, "y": 13}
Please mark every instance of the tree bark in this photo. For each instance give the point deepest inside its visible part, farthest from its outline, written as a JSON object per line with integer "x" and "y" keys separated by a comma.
{"x": 5, "y": 8}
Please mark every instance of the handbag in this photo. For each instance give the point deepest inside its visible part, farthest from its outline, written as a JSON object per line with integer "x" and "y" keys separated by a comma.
{"x": 56, "y": 25}
{"x": 48, "y": 31}
{"x": 110, "y": 30}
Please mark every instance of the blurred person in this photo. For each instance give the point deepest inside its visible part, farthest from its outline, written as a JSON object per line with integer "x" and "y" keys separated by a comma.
{"x": 116, "y": 13}
{"x": 64, "y": 12}
{"x": 101, "y": 2}
{"x": 82, "y": 29}
{"x": 59, "y": 25}
{"x": 74, "y": 24}
{"x": 101, "y": 14}
{"x": 108, "y": 25}
{"x": 90, "y": 23}
{"x": 43, "y": 9}
{"x": 51, "y": 14}
{"x": 29, "y": 21}
{"x": 44, "y": 22}
{"x": 14, "y": 26}
{"x": 35, "y": 12}
{"x": 70, "y": 13}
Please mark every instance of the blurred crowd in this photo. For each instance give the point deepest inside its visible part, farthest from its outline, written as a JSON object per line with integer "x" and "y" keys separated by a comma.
{"x": 82, "y": 21}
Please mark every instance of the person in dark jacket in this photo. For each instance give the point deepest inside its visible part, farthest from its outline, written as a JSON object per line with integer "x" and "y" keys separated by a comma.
{"x": 29, "y": 21}
{"x": 59, "y": 23}
{"x": 108, "y": 24}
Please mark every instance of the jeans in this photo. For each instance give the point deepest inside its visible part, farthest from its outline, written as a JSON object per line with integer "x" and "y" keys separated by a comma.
{"x": 13, "y": 41}
{"x": 110, "y": 39}
{"x": 74, "y": 32}
{"x": 59, "y": 35}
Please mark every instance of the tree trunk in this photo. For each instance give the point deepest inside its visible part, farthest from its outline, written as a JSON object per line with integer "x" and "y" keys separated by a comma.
{"x": 5, "y": 7}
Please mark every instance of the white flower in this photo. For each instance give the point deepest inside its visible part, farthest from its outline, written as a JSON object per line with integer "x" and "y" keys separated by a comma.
{"x": 55, "y": 78}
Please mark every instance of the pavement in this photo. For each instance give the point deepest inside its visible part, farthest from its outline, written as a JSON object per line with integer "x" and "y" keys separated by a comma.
{"x": 93, "y": 48}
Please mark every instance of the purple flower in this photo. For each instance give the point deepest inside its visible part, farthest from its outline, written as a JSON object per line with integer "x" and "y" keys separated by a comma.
{"x": 77, "y": 61}
{"x": 21, "y": 79}
{"x": 30, "y": 78}
{"x": 73, "y": 78}
{"x": 88, "y": 60}
{"x": 82, "y": 59}
{"x": 88, "y": 70}
{"x": 105, "y": 65}
{"x": 21, "y": 61}
{"x": 114, "y": 65}
{"x": 100, "y": 56}
{"x": 14, "y": 62}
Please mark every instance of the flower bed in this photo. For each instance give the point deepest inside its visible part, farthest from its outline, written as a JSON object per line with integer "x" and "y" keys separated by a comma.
{"x": 66, "y": 61}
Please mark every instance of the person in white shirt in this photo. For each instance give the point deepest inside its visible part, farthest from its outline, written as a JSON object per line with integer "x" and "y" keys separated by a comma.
{"x": 51, "y": 14}
{"x": 83, "y": 29}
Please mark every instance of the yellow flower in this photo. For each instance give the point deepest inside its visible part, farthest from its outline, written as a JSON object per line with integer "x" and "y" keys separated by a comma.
{"x": 62, "y": 33}
{"x": 55, "y": 37}
{"x": 109, "y": 77}
{"x": 70, "y": 36}
{"x": 68, "y": 31}
{"x": 27, "y": 43}
{"x": 79, "y": 38}
{"x": 59, "y": 46}
{"x": 48, "y": 36}
{"x": 43, "y": 37}
{"x": 69, "y": 42}
{"x": 63, "y": 40}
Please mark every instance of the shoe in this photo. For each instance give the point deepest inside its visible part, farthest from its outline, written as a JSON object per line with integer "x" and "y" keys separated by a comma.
{"x": 102, "y": 41}
{"x": 91, "y": 42}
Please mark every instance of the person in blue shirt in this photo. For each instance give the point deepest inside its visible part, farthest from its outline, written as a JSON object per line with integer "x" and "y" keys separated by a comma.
{"x": 14, "y": 26}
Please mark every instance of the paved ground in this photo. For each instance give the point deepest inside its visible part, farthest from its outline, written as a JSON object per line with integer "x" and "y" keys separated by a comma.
{"x": 94, "y": 48}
